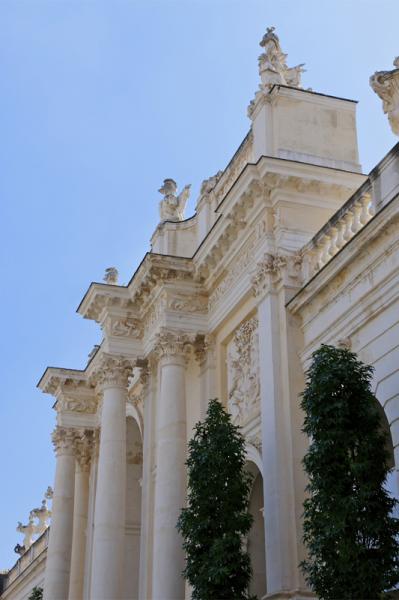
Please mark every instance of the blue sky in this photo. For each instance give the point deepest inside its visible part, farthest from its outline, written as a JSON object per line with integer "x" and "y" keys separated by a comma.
{"x": 100, "y": 100}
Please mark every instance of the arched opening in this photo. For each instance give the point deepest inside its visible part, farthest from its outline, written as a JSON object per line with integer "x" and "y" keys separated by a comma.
{"x": 391, "y": 483}
{"x": 134, "y": 468}
{"x": 256, "y": 537}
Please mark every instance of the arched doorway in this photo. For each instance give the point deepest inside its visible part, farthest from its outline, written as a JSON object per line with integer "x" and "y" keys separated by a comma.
{"x": 134, "y": 469}
{"x": 256, "y": 537}
{"x": 392, "y": 483}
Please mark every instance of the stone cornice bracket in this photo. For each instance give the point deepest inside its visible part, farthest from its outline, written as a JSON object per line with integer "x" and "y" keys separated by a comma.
{"x": 84, "y": 442}
{"x": 112, "y": 371}
{"x": 63, "y": 439}
{"x": 172, "y": 345}
{"x": 274, "y": 268}
{"x": 386, "y": 85}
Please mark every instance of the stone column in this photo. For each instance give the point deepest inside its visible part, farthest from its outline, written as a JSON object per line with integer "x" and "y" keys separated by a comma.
{"x": 170, "y": 483}
{"x": 280, "y": 383}
{"x": 56, "y": 581}
{"x": 83, "y": 449}
{"x": 206, "y": 358}
{"x": 109, "y": 517}
{"x": 146, "y": 498}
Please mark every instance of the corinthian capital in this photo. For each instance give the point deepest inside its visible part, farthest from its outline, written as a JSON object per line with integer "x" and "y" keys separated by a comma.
{"x": 113, "y": 371}
{"x": 63, "y": 440}
{"x": 84, "y": 447}
{"x": 172, "y": 344}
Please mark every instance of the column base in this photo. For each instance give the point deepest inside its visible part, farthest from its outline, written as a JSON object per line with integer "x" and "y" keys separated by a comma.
{"x": 290, "y": 595}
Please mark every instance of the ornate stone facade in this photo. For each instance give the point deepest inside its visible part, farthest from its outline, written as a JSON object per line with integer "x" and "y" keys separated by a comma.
{"x": 291, "y": 246}
{"x": 243, "y": 373}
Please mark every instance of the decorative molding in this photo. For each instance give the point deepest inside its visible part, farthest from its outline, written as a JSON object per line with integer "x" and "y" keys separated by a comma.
{"x": 113, "y": 371}
{"x": 273, "y": 268}
{"x": 63, "y": 440}
{"x": 77, "y": 405}
{"x": 255, "y": 441}
{"x": 170, "y": 343}
{"x": 243, "y": 373}
{"x": 189, "y": 304}
{"x": 129, "y": 327}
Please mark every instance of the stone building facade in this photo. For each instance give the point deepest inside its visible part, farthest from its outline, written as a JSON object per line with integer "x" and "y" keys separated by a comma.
{"x": 290, "y": 246}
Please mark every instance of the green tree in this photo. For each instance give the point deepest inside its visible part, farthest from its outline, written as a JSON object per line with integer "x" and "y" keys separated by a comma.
{"x": 37, "y": 594}
{"x": 216, "y": 518}
{"x": 349, "y": 530}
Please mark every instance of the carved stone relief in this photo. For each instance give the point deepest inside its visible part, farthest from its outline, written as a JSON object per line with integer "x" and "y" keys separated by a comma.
{"x": 243, "y": 373}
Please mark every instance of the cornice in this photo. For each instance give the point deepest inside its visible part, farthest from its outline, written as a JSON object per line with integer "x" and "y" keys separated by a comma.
{"x": 153, "y": 270}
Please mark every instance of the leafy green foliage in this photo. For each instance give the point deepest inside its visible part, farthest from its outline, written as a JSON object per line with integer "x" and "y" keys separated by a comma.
{"x": 349, "y": 531}
{"x": 216, "y": 517}
{"x": 37, "y": 594}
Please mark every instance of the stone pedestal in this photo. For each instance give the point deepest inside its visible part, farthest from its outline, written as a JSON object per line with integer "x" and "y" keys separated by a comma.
{"x": 170, "y": 484}
{"x": 109, "y": 518}
{"x": 57, "y": 572}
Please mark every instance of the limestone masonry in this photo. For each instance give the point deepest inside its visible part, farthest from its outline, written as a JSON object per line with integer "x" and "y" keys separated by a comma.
{"x": 290, "y": 246}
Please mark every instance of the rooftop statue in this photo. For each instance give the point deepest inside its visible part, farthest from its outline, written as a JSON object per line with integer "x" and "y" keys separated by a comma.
{"x": 386, "y": 86}
{"x": 111, "y": 276}
{"x": 273, "y": 67}
{"x": 171, "y": 207}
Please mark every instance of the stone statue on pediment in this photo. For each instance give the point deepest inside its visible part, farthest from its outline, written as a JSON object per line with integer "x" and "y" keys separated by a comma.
{"x": 171, "y": 207}
{"x": 273, "y": 67}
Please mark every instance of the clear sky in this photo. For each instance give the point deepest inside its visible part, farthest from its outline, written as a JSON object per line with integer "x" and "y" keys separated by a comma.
{"x": 100, "y": 100}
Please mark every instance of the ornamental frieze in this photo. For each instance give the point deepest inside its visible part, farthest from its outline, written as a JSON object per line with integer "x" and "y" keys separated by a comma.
{"x": 243, "y": 373}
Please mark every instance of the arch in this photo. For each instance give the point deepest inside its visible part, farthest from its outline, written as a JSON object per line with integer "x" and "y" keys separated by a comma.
{"x": 256, "y": 536}
{"x": 134, "y": 473}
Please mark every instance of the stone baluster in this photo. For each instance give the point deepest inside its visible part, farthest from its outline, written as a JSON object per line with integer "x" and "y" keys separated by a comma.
{"x": 108, "y": 569}
{"x": 56, "y": 582}
{"x": 332, "y": 248}
{"x": 170, "y": 483}
{"x": 83, "y": 448}
{"x": 356, "y": 224}
{"x": 348, "y": 220}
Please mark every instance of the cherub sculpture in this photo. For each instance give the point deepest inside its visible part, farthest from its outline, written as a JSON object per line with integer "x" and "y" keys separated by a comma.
{"x": 171, "y": 207}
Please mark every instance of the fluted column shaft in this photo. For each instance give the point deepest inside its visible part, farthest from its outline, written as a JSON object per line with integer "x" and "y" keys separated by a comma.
{"x": 83, "y": 448}
{"x": 109, "y": 518}
{"x": 170, "y": 483}
{"x": 56, "y": 582}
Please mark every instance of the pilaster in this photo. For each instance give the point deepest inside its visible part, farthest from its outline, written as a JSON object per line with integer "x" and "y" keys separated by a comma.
{"x": 281, "y": 381}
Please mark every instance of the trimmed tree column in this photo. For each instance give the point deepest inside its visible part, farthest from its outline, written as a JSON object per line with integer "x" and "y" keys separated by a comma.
{"x": 83, "y": 449}
{"x": 109, "y": 517}
{"x": 170, "y": 483}
{"x": 56, "y": 582}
